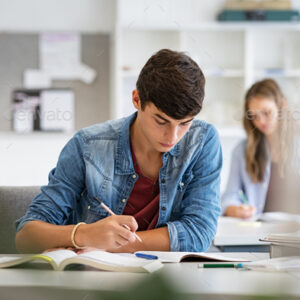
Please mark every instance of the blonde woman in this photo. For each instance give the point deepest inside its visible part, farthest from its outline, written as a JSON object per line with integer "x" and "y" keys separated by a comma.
{"x": 259, "y": 163}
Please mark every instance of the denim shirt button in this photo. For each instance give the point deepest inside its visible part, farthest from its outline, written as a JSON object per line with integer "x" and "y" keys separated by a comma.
{"x": 181, "y": 183}
{"x": 163, "y": 180}
{"x": 123, "y": 200}
{"x": 133, "y": 176}
{"x": 163, "y": 208}
{"x": 89, "y": 207}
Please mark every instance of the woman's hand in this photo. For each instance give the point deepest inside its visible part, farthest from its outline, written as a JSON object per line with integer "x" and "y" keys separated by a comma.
{"x": 242, "y": 211}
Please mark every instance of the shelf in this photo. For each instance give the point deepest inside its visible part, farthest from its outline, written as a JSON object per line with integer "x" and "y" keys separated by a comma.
{"x": 230, "y": 73}
{"x": 211, "y": 73}
{"x": 36, "y": 135}
{"x": 291, "y": 73}
{"x": 223, "y": 26}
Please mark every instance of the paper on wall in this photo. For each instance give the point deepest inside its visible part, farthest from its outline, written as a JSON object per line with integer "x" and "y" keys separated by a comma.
{"x": 35, "y": 79}
{"x": 57, "y": 110}
{"x": 60, "y": 57}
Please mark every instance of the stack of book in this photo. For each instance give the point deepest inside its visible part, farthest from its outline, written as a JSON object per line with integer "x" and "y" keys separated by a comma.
{"x": 284, "y": 244}
{"x": 263, "y": 10}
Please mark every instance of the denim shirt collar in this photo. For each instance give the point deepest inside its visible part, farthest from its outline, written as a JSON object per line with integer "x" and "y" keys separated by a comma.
{"x": 124, "y": 164}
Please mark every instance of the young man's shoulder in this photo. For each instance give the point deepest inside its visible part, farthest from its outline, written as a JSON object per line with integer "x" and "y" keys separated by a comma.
{"x": 200, "y": 130}
{"x": 108, "y": 130}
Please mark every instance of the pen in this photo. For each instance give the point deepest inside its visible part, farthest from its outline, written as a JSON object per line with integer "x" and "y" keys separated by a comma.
{"x": 243, "y": 197}
{"x": 112, "y": 213}
{"x": 146, "y": 256}
{"x": 220, "y": 265}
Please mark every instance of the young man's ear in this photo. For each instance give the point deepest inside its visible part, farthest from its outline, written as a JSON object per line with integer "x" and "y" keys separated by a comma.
{"x": 136, "y": 99}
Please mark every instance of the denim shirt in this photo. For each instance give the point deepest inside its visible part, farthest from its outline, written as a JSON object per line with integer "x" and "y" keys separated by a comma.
{"x": 97, "y": 161}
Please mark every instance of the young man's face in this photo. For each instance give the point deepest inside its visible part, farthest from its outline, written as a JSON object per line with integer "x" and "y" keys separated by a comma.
{"x": 159, "y": 130}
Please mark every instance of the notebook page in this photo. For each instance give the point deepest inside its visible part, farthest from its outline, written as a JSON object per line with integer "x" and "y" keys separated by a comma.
{"x": 169, "y": 256}
{"x": 6, "y": 259}
{"x": 115, "y": 259}
{"x": 58, "y": 255}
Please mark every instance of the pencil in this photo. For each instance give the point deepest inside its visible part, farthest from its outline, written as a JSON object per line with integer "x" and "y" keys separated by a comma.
{"x": 112, "y": 213}
{"x": 243, "y": 197}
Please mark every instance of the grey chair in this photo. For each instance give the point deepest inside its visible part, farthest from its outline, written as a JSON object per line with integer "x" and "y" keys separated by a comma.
{"x": 14, "y": 202}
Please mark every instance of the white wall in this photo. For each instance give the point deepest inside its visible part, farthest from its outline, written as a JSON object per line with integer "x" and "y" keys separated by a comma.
{"x": 61, "y": 15}
{"x": 27, "y": 159}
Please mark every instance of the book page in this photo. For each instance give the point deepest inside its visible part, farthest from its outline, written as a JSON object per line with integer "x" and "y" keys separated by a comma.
{"x": 57, "y": 256}
{"x": 169, "y": 256}
{"x": 14, "y": 260}
{"x": 115, "y": 259}
{"x": 121, "y": 262}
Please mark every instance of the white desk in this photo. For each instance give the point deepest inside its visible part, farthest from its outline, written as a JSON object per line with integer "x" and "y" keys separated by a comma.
{"x": 185, "y": 278}
{"x": 237, "y": 232}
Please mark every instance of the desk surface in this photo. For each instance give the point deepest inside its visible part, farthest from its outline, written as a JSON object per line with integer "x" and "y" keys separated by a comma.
{"x": 237, "y": 232}
{"x": 185, "y": 278}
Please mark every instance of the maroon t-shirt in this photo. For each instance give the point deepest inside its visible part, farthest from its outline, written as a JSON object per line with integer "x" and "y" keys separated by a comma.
{"x": 143, "y": 202}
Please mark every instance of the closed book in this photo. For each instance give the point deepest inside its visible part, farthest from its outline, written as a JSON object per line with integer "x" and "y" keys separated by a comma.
{"x": 284, "y": 249}
{"x": 259, "y": 15}
{"x": 255, "y": 5}
{"x": 289, "y": 238}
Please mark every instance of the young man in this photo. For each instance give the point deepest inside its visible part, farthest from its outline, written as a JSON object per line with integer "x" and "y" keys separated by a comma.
{"x": 158, "y": 170}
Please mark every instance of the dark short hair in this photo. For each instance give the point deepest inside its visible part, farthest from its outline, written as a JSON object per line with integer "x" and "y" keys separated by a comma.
{"x": 173, "y": 82}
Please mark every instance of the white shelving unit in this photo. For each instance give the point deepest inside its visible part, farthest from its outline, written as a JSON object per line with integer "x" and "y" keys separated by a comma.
{"x": 231, "y": 55}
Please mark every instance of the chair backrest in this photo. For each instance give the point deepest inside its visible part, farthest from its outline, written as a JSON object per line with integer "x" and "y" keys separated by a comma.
{"x": 14, "y": 202}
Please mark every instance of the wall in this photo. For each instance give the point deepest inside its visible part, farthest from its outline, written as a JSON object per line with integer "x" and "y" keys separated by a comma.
{"x": 51, "y": 15}
{"x": 170, "y": 12}
{"x": 20, "y": 51}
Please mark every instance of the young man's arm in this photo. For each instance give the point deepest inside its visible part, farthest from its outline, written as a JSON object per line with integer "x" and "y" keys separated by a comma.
{"x": 108, "y": 233}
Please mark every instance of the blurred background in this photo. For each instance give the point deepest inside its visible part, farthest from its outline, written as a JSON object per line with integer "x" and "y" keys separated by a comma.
{"x": 69, "y": 64}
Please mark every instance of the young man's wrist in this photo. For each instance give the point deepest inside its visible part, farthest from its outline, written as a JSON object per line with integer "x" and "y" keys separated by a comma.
{"x": 80, "y": 236}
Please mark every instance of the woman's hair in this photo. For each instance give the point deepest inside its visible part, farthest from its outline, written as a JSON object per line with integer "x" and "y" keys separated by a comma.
{"x": 256, "y": 150}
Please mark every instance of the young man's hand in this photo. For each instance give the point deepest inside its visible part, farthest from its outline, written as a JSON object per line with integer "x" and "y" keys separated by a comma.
{"x": 108, "y": 233}
{"x": 242, "y": 211}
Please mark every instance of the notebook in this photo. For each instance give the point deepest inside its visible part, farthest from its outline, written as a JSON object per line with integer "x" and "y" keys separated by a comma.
{"x": 176, "y": 257}
{"x": 292, "y": 237}
{"x": 60, "y": 259}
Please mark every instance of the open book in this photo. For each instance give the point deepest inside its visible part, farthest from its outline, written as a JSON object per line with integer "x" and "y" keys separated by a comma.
{"x": 166, "y": 256}
{"x": 60, "y": 259}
